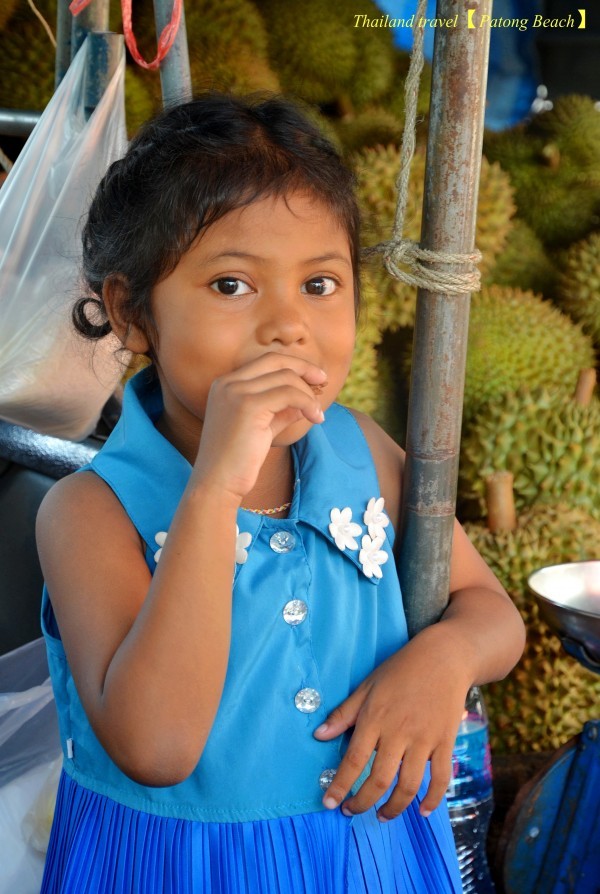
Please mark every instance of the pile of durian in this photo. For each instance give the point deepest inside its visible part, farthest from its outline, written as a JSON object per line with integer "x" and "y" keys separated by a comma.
{"x": 534, "y": 325}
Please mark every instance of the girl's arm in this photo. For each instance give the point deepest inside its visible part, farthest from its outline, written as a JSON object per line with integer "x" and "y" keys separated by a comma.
{"x": 410, "y": 707}
{"x": 149, "y": 654}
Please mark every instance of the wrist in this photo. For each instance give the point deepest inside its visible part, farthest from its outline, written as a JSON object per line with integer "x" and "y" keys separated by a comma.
{"x": 209, "y": 493}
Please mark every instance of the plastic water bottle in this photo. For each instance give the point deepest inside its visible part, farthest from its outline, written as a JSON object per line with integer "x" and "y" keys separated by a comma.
{"x": 469, "y": 796}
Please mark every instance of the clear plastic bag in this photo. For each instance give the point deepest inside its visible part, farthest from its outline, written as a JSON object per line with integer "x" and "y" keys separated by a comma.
{"x": 30, "y": 760}
{"x": 51, "y": 379}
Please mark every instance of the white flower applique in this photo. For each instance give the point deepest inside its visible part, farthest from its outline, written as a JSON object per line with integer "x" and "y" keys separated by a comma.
{"x": 160, "y": 539}
{"x": 375, "y": 518}
{"x": 343, "y": 529}
{"x": 371, "y": 556}
{"x": 242, "y": 541}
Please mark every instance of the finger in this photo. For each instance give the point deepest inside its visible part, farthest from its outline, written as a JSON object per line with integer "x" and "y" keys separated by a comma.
{"x": 381, "y": 777}
{"x": 441, "y": 771}
{"x": 269, "y": 380}
{"x": 283, "y": 398}
{"x": 273, "y": 360}
{"x": 409, "y": 782}
{"x": 353, "y": 763}
{"x": 342, "y": 717}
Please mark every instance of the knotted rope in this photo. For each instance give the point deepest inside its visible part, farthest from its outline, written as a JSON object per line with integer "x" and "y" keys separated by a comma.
{"x": 397, "y": 250}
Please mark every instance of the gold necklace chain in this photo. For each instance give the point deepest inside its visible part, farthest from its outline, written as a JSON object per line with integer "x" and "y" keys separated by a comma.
{"x": 269, "y": 511}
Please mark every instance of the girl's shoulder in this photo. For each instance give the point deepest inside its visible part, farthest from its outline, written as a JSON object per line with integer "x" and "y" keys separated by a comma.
{"x": 388, "y": 458}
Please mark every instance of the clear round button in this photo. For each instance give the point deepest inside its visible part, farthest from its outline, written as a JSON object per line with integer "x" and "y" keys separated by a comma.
{"x": 307, "y": 701}
{"x": 294, "y": 612}
{"x": 326, "y": 778}
{"x": 282, "y": 542}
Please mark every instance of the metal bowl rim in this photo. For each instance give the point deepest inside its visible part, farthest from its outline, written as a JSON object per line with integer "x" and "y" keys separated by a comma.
{"x": 561, "y": 605}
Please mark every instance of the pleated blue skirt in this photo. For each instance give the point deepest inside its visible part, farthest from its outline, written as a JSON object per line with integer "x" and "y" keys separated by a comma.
{"x": 99, "y": 846}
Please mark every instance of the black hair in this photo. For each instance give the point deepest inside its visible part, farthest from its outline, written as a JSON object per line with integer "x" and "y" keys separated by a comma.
{"x": 185, "y": 169}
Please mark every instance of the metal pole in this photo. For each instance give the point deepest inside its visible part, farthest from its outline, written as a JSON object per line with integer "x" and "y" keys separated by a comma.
{"x": 63, "y": 41}
{"x": 440, "y": 339}
{"x": 104, "y": 52}
{"x": 175, "y": 77}
{"x": 93, "y": 18}
{"x": 17, "y": 122}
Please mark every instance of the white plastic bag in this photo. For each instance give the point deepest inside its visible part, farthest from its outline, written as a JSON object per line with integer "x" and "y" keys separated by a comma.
{"x": 29, "y": 767}
{"x": 51, "y": 379}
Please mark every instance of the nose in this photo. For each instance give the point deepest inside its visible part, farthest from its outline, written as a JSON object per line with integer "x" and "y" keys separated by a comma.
{"x": 282, "y": 320}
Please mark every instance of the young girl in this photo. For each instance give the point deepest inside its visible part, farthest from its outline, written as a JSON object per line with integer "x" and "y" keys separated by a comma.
{"x": 223, "y": 616}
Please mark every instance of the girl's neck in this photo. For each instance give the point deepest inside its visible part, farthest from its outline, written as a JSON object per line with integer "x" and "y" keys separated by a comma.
{"x": 275, "y": 483}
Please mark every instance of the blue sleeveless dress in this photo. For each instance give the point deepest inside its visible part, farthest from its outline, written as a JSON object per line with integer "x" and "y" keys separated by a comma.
{"x": 316, "y": 606}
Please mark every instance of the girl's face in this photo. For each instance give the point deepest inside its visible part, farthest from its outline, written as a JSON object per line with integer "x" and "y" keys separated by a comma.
{"x": 275, "y": 275}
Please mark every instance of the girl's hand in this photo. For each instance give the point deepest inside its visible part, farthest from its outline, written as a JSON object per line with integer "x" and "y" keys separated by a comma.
{"x": 408, "y": 710}
{"x": 247, "y": 409}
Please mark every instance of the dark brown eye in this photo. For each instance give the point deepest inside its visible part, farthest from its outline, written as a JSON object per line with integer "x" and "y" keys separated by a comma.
{"x": 229, "y": 285}
{"x": 321, "y": 286}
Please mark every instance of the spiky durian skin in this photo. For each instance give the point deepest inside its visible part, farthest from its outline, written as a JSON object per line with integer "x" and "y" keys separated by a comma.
{"x": 312, "y": 53}
{"x": 141, "y": 100}
{"x": 548, "y": 696}
{"x": 377, "y": 170}
{"x": 523, "y": 263}
{"x": 7, "y": 10}
{"x": 227, "y": 45}
{"x": 578, "y": 292}
{"x": 373, "y": 127}
{"x": 554, "y": 165}
{"x": 27, "y": 60}
{"x": 362, "y": 385}
{"x": 516, "y": 338}
{"x": 374, "y": 66}
{"x": 550, "y": 443}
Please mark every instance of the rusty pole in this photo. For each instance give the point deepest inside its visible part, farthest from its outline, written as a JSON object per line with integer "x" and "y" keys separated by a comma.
{"x": 454, "y": 148}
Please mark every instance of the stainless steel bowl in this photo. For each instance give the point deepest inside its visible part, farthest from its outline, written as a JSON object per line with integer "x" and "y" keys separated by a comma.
{"x": 569, "y": 600}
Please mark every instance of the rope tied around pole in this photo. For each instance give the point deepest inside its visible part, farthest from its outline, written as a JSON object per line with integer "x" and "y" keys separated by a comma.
{"x": 398, "y": 250}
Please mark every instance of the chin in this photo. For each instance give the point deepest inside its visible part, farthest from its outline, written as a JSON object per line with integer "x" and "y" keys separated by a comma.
{"x": 292, "y": 433}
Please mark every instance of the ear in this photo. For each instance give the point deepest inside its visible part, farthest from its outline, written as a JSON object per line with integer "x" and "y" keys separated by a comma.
{"x": 114, "y": 294}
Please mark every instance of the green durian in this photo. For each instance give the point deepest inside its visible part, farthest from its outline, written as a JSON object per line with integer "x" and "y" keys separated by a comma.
{"x": 544, "y": 437}
{"x": 578, "y": 292}
{"x": 142, "y": 100}
{"x": 523, "y": 262}
{"x": 373, "y": 127}
{"x": 27, "y": 61}
{"x": 548, "y": 696}
{"x": 361, "y": 388}
{"x": 312, "y": 52}
{"x": 7, "y": 10}
{"x": 374, "y": 66}
{"x": 227, "y": 44}
{"x": 554, "y": 165}
{"x": 518, "y": 339}
{"x": 377, "y": 170}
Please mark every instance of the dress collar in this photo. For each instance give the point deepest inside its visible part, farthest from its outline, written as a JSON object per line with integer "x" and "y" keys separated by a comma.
{"x": 332, "y": 463}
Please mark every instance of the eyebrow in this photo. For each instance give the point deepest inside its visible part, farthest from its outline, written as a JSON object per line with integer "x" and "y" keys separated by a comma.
{"x": 330, "y": 256}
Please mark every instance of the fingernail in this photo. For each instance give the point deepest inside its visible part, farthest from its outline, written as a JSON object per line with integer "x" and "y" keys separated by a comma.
{"x": 322, "y": 729}
{"x": 382, "y": 818}
{"x": 330, "y": 803}
{"x": 346, "y": 811}
{"x": 425, "y": 813}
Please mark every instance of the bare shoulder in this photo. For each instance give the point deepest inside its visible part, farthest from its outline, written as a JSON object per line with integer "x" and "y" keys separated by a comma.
{"x": 94, "y": 567}
{"x": 388, "y": 457}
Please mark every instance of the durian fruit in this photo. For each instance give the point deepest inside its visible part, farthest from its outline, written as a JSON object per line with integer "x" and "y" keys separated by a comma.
{"x": 392, "y": 398}
{"x": 578, "y": 292}
{"x": 394, "y": 100}
{"x": 322, "y": 58}
{"x": 523, "y": 263}
{"x": 546, "y": 438}
{"x": 227, "y": 44}
{"x": 27, "y": 61}
{"x": 554, "y": 165}
{"x": 142, "y": 99}
{"x": 377, "y": 171}
{"x": 518, "y": 339}
{"x": 310, "y": 51}
{"x": 362, "y": 386}
{"x": 548, "y": 696}
{"x": 373, "y": 127}
{"x": 7, "y": 9}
